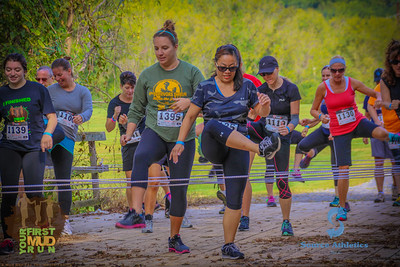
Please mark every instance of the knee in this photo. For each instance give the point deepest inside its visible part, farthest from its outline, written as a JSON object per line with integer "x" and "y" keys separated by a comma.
{"x": 380, "y": 133}
{"x": 284, "y": 190}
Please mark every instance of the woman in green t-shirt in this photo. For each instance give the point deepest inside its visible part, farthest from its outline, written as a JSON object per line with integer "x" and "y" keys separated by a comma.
{"x": 163, "y": 94}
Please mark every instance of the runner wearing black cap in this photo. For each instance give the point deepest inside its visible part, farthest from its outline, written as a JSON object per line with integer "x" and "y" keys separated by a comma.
{"x": 283, "y": 118}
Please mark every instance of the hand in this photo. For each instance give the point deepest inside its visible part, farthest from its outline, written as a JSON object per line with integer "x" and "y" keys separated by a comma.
{"x": 304, "y": 122}
{"x": 325, "y": 118}
{"x": 46, "y": 142}
{"x": 123, "y": 119}
{"x": 117, "y": 111}
{"x": 252, "y": 114}
{"x": 125, "y": 139}
{"x": 379, "y": 123}
{"x": 378, "y": 104}
{"x": 283, "y": 130}
{"x": 330, "y": 137}
{"x": 395, "y": 104}
{"x": 180, "y": 104}
{"x": 365, "y": 140}
{"x": 304, "y": 132}
{"x": 263, "y": 99}
{"x": 176, "y": 152}
{"x": 78, "y": 120}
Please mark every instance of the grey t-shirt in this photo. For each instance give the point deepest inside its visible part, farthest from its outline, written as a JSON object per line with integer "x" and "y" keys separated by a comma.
{"x": 69, "y": 104}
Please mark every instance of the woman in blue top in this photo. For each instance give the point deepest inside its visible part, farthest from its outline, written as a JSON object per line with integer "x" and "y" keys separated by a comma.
{"x": 24, "y": 137}
{"x": 225, "y": 100}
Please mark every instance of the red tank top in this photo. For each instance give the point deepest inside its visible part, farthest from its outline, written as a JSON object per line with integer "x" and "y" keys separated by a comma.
{"x": 342, "y": 109}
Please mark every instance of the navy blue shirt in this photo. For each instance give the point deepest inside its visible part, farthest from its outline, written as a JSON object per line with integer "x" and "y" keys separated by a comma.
{"x": 218, "y": 107}
{"x": 124, "y": 110}
{"x": 22, "y": 110}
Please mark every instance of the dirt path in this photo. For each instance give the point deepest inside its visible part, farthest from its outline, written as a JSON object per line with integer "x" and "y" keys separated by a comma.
{"x": 96, "y": 242}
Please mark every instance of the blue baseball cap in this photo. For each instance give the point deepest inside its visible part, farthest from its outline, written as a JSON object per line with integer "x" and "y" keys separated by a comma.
{"x": 377, "y": 74}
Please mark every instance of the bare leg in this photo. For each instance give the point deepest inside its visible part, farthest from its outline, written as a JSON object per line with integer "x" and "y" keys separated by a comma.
{"x": 285, "y": 204}
{"x": 176, "y": 223}
{"x": 230, "y": 224}
{"x": 379, "y": 174}
{"x": 239, "y": 141}
{"x": 152, "y": 189}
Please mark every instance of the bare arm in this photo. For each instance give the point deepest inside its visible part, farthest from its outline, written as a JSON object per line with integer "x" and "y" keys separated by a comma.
{"x": 187, "y": 123}
{"x": 362, "y": 88}
{"x": 263, "y": 106}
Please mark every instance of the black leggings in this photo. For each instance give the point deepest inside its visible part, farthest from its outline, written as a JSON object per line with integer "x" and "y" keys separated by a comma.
{"x": 319, "y": 139}
{"x": 152, "y": 149}
{"x": 235, "y": 162}
{"x": 11, "y": 163}
{"x": 62, "y": 162}
{"x": 279, "y": 165}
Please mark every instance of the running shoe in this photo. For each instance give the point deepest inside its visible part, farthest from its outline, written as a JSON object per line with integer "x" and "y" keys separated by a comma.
{"x": 67, "y": 230}
{"x": 148, "y": 226}
{"x": 186, "y": 223}
{"x": 305, "y": 162}
{"x": 131, "y": 220}
{"x": 394, "y": 192}
{"x": 222, "y": 211}
{"x": 176, "y": 245}
{"x": 296, "y": 174}
{"x": 269, "y": 146}
{"x": 203, "y": 160}
{"x": 335, "y": 202}
{"x": 244, "y": 223}
{"x": 271, "y": 202}
{"x": 342, "y": 214}
{"x": 287, "y": 228}
{"x": 380, "y": 198}
{"x": 397, "y": 202}
{"x": 157, "y": 206}
{"x": 221, "y": 195}
{"x": 394, "y": 137}
{"x": 347, "y": 206}
{"x": 231, "y": 251}
{"x": 6, "y": 247}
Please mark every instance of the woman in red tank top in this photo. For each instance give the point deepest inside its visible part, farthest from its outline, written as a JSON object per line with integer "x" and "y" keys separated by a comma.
{"x": 346, "y": 122}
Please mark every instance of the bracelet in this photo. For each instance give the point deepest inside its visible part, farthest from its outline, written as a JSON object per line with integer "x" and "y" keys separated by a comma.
{"x": 180, "y": 143}
{"x": 47, "y": 133}
{"x": 390, "y": 106}
{"x": 112, "y": 118}
{"x": 287, "y": 127}
{"x": 308, "y": 127}
{"x": 319, "y": 117}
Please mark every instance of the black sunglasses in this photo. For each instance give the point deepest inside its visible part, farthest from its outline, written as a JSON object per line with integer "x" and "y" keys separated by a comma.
{"x": 265, "y": 73}
{"x": 337, "y": 70}
{"x": 43, "y": 79}
{"x": 223, "y": 69}
{"x": 394, "y": 62}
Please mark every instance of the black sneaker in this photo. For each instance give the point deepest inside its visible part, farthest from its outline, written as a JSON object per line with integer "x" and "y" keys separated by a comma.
{"x": 244, "y": 223}
{"x": 131, "y": 220}
{"x": 176, "y": 245}
{"x": 231, "y": 251}
{"x": 270, "y": 145}
{"x": 6, "y": 247}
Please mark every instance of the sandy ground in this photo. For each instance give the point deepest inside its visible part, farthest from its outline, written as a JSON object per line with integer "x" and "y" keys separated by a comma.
{"x": 371, "y": 237}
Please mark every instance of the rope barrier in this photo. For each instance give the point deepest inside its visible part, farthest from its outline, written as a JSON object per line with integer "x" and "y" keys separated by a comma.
{"x": 361, "y": 170}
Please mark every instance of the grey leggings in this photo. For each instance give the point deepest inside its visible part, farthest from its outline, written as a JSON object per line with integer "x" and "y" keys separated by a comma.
{"x": 152, "y": 149}
{"x": 11, "y": 163}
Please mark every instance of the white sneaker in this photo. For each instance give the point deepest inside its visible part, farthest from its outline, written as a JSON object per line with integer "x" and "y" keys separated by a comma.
{"x": 380, "y": 198}
{"x": 67, "y": 228}
{"x": 186, "y": 223}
